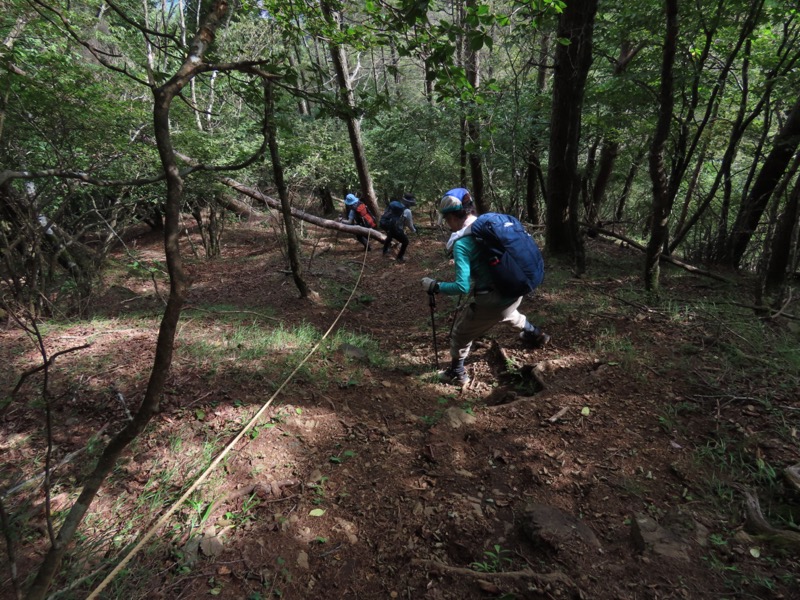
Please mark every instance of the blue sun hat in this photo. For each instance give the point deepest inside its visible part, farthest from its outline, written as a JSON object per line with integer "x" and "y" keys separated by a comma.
{"x": 350, "y": 200}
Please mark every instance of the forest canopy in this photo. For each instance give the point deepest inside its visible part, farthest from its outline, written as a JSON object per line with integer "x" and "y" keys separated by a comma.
{"x": 547, "y": 110}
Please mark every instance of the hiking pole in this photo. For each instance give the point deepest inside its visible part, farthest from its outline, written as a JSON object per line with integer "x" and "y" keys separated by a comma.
{"x": 432, "y": 304}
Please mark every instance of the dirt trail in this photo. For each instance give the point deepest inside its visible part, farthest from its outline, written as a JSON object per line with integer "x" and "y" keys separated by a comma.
{"x": 373, "y": 481}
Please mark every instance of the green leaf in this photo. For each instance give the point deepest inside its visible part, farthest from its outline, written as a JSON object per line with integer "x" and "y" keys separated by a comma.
{"x": 317, "y": 512}
{"x": 585, "y": 411}
{"x": 199, "y": 414}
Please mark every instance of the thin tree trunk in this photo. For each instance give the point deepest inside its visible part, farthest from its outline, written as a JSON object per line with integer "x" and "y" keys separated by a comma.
{"x": 179, "y": 287}
{"x": 626, "y": 188}
{"x": 472, "y": 65}
{"x": 339, "y": 59}
{"x": 532, "y": 179}
{"x": 662, "y": 200}
{"x": 783, "y": 148}
{"x": 286, "y": 209}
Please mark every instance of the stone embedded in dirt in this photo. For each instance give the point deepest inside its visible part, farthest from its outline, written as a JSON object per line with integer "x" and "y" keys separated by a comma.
{"x": 349, "y": 529}
{"x": 686, "y": 525}
{"x": 354, "y": 352}
{"x": 457, "y": 417}
{"x": 190, "y": 551}
{"x": 550, "y": 526}
{"x": 211, "y": 545}
{"x": 649, "y": 536}
{"x": 792, "y": 475}
{"x": 302, "y": 560}
{"x": 501, "y": 395}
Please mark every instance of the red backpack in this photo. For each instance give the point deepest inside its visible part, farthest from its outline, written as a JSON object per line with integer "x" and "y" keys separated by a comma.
{"x": 363, "y": 212}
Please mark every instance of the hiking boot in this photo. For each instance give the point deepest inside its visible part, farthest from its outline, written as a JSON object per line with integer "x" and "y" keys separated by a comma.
{"x": 534, "y": 340}
{"x": 450, "y": 375}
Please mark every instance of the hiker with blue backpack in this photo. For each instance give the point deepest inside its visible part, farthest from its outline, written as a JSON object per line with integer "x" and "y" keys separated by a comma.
{"x": 499, "y": 262}
{"x": 394, "y": 221}
{"x": 358, "y": 214}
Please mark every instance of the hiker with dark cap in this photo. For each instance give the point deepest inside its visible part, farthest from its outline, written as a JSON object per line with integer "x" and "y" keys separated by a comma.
{"x": 358, "y": 214}
{"x": 394, "y": 221}
{"x": 487, "y": 307}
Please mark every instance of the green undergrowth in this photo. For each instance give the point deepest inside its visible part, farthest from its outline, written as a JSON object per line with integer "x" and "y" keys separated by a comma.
{"x": 265, "y": 350}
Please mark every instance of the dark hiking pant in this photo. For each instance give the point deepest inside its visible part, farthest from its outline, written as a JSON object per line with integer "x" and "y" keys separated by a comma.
{"x": 395, "y": 233}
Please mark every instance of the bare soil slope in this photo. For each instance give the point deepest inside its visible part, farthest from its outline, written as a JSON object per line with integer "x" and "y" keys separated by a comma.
{"x": 610, "y": 465}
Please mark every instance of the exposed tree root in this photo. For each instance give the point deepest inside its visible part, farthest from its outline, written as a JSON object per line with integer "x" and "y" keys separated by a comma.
{"x": 523, "y": 575}
{"x": 758, "y": 525}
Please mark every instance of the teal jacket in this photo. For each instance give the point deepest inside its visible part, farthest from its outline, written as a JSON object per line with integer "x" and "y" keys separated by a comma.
{"x": 472, "y": 267}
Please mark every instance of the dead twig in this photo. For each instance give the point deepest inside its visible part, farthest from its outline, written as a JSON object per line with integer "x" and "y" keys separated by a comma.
{"x": 558, "y": 415}
{"x": 43, "y": 366}
{"x": 782, "y": 308}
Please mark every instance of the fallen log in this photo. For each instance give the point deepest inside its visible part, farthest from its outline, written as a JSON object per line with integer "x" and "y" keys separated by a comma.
{"x": 301, "y": 214}
{"x": 241, "y": 208}
{"x": 663, "y": 257}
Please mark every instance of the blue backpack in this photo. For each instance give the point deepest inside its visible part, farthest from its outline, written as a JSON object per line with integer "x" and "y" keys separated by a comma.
{"x": 390, "y": 218}
{"x": 515, "y": 262}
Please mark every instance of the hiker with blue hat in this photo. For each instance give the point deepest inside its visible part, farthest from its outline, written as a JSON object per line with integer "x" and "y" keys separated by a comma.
{"x": 488, "y": 305}
{"x": 461, "y": 194}
{"x": 358, "y": 214}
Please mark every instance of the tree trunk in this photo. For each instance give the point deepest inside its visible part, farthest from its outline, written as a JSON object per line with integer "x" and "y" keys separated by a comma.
{"x": 751, "y": 209}
{"x": 349, "y": 112}
{"x": 179, "y": 287}
{"x": 472, "y": 66}
{"x": 292, "y": 244}
{"x": 605, "y": 167}
{"x": 572, "y": 61}
{"x": 626, "y": 188}
{"x": 781, "y": 245}
{"x": 532, "y": 179}
{"x": 662, "y": 199}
